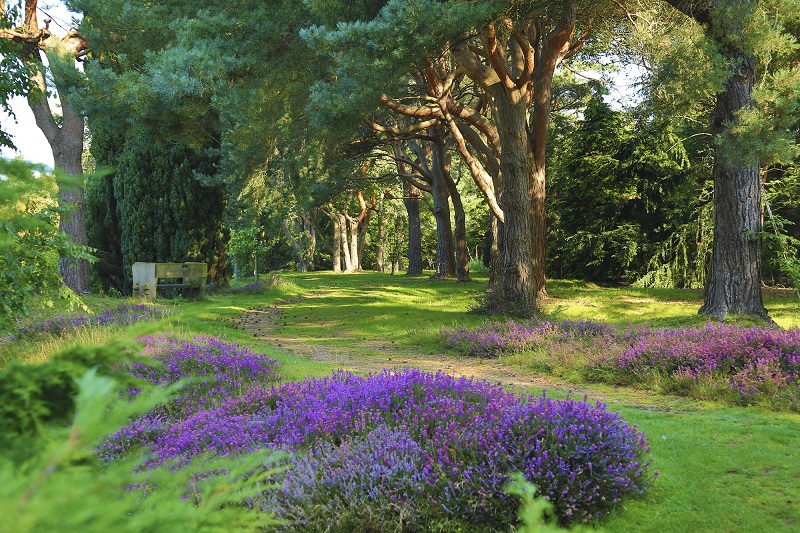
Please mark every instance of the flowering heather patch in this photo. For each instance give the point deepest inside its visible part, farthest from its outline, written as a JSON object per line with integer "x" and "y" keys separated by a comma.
{"x": 452, "y": 441}
{"x": 502, "y": 338}
{"x": 216, "y": 371}
{"x": 374, "y": 482}
{"x": 752, "y": 363}
{"x": 124, "y": 314}
{"x": 740, "y": 364}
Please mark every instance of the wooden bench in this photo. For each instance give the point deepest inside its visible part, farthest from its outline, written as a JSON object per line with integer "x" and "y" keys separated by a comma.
{"x": 192, "y": 278}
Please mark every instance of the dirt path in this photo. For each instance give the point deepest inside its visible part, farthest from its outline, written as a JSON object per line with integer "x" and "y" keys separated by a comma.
{"x": 261, "y": 325}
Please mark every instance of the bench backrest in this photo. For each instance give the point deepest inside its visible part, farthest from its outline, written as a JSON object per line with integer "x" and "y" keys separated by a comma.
{"x": 146, "y": 276}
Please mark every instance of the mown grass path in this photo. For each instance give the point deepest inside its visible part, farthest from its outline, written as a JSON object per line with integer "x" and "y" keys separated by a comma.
{"x": 372, "y": 356}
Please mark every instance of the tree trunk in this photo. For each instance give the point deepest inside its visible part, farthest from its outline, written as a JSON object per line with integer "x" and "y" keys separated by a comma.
{"x": 495, "y": 257}
{"x": 337, "y": 242}
{"x": 734, "y": 285}
{"x": 348, "y": 260}
{"x": 363, "y": 226}
{"x": 380, "y": 254}
{"x": 411, "y": 199}
{"x": 66, "y": 143}
{"x": 540, "y": 125}
{"x": 298, "y": 251}
{"x": 354, "y": 258}
{"x": 462, "y": 255}
{"x": 308, "y": 229}
{"x": 516, "y": 167}
{"x": 445, "y": 254}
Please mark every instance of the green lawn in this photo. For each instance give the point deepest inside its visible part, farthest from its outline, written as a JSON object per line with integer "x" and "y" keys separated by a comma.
{"x": 721, "y": 468}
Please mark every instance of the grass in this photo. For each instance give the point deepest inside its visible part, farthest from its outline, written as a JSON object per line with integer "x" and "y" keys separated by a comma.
{"x": 722, "y": 468}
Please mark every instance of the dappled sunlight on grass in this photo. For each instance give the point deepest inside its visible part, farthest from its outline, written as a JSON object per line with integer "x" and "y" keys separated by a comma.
{"x": 722, "y": 468}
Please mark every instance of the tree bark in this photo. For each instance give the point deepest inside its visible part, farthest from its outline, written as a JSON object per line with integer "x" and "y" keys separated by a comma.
{"x": 462, "y": 254}
{"x": 337, "y": 242}
{"x": 354, "y": 257}
{"x": 411, "y": 200}
{"x": 516, "y": 167}
{"x": 495, "y": 256}
{"x": 516, "y": 68}
{"x": 445, "y": 254}
{"x": 298, "y": 251}
{"x": 308, "y": 229}
{"x": 348, "y": 260}
{"x": 363, "y": 226}
{"x": 734, "y": 285}
{"x": 380, "y": 254}
{"x": 65, "y": 140}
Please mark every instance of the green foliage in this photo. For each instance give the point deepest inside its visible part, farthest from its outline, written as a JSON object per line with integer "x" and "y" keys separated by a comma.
{"x": 786, "y": 253}
{"x": 535, "y": 513}
{"x": 380, "y": 48}
{"x": 689, "y": 64}
{"x": 682, "y": 260}
{"x": 619, "y": 191}
{"x": 721, "y": 468}
{"x": 103, "y": 231}
{"x": 156, "y": 208}
{"x": 62, "y": 486}
{"x": 36, "y": 399}
{"x": 30, "y": 241}
{"x": 13, "y": 71}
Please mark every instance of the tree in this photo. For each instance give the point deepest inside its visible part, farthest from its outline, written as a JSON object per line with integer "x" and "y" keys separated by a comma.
{"x": 511, "y": 53}
{"x": 151, "y": 204}
{"x": 65, "y": 133}
{"x": 30, "y": 243}
{"x": 13, "y": 72}
{"x": 623, "y": 185}
{"x": 753, "y": 42}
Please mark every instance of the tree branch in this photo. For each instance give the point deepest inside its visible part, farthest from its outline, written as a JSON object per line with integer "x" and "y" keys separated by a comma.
{"x": 402, "y": 132}
{"x": 528, "y": 56}
{"x": 475, "y": 119}
{"x": 473, "y": 68}
{"x": 478, "y": 172}
{"x": 497, "y": 57}
{"x": 410, "y": 111}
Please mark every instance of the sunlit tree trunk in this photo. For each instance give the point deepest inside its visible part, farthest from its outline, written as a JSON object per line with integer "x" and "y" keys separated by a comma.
{"x": 380, "y": 254}
{"x": 348, "y": 260}
{"x": 734, "y": 284}
{"x": 64, "y": 135}
{"x": 363, "y": 226}
{"x": 337, "y": 242}
{"x": 311, "y": 234}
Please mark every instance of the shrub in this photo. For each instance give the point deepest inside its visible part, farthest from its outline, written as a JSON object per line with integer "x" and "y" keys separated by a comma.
{"x": 471, "y": 434}
{"x": 61, "y": 487}
{"x": 208, "y": 371}
{"x": 751, "y": 364}
{"x": 34, "y": 399}
{"x": 502, "y": 338}
{"x": 369, "y": 483}
{"x": 123, "y": 314}
{"x": 255, "y": 288}
{"x": 717, "y": 361}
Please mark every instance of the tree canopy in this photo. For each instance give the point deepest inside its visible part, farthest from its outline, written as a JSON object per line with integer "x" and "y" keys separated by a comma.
{"x": 309, "y": 120}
